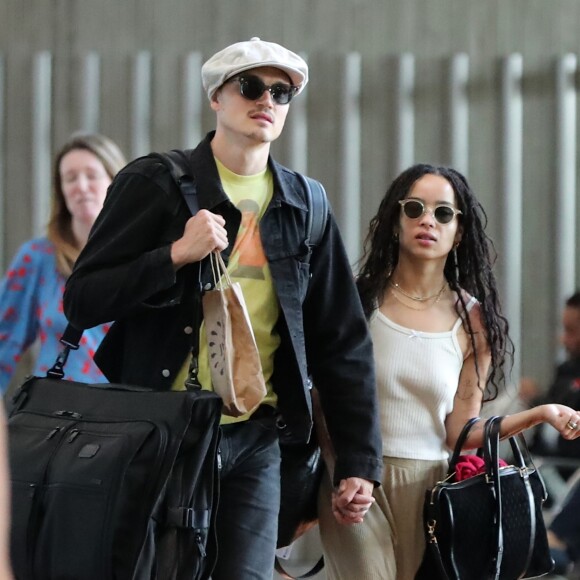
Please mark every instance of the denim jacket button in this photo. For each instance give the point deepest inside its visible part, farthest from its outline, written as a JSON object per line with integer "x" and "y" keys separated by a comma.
{"x": 188, "y": 330}
{"x": 165, "y": 372}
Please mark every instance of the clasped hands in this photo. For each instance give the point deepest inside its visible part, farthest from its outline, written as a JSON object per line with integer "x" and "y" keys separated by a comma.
{"x": 352, "y": 500}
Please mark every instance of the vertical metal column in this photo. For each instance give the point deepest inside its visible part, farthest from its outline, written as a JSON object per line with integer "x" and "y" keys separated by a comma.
{"x": 565, "y": 282}
{"x": 349, "y": 194}
{"x": 511, "y": 187}
{"x": 459, "y": 113}
{"x": 41, "y": 140}
{"x": 141, "y": 113}
{"x": 90, "y": 93}
{"x": 405, "y": 112}
{"x": 298, "y": 131}
{"x": 193, "y": 98}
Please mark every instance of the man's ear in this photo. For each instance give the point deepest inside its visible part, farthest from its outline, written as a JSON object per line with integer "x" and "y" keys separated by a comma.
{"x": 214, "y": 101}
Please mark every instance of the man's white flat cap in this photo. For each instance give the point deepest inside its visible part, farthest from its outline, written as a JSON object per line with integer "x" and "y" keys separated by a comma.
{"x": 249, "y": 54}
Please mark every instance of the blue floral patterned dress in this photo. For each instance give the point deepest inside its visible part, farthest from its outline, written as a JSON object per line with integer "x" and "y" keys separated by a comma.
{"x": 31, "y": 307}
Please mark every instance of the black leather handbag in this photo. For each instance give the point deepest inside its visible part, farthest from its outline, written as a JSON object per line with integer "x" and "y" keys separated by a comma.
{"x": 489, "y": 525}
{"x": 300, "y": 474}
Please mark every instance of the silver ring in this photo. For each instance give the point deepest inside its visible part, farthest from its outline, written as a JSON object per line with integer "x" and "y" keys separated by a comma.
{"x": 571, "y": 425}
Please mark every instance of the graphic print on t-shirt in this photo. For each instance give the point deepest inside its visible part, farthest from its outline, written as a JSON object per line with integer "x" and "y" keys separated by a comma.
{"x": 248, "y": 251}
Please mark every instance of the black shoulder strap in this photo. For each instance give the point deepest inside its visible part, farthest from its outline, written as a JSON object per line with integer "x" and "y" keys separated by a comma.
{"x": 177, "y": 164}
{"x": 317, "y": 210}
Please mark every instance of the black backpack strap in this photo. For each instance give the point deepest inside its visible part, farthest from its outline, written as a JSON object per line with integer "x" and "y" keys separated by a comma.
{"x": 176, "y": 162}
{"x": 71, "y": 339}
{"x": 317, "y": 202}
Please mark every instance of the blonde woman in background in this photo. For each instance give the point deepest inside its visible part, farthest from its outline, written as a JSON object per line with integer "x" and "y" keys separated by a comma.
{"x": 32, "y": 288}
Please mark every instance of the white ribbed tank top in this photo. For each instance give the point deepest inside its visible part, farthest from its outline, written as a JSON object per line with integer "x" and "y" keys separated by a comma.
{"x": 417, "y": 378}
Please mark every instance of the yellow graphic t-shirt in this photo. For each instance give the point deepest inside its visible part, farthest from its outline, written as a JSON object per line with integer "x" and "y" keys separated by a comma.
{"x": 248, "y": 266}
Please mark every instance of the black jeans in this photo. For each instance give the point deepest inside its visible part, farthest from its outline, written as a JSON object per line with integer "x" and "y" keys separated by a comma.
{"x": 247, "y": 516}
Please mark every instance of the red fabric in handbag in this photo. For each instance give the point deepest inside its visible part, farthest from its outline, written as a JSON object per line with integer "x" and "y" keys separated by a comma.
{"x": 469, "y": 465}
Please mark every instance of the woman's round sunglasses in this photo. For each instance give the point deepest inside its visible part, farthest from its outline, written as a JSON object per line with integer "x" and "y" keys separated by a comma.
{"x": 414, "y": 209}
{"x": 252, "y": 88}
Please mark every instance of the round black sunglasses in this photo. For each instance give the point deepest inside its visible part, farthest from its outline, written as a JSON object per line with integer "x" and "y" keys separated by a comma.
{"x": 253, "y": 87}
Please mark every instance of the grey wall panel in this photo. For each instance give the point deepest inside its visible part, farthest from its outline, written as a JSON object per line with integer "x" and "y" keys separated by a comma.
{"x": 41, "y": 140}
{"x": 511, "y": 195}
{"x": 348, "y": 206}
{"x": 89, "y": 86}
{"x": 193, "y": 100}
{"x": 405, "y": 111}
{"x": 2, "y": 161}
{"x": 565, "y": 177}
{"x": 141, "y": 105}
{"x": 456, "y": 115}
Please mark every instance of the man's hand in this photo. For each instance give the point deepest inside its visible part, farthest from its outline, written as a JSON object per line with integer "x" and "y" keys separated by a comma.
{"x": 203, "y": 233}
{"x": 352, "y": 500}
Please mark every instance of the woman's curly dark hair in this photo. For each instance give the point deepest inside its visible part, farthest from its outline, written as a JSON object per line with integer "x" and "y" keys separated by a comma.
{"x": 472, "y": 272}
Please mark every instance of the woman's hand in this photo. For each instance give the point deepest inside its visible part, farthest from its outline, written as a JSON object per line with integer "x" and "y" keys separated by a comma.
{"x": 564, "y": 419}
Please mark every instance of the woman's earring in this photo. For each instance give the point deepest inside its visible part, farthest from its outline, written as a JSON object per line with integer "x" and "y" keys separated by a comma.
{"x": 455, "y": 261}
{"x": 396, "y": 238}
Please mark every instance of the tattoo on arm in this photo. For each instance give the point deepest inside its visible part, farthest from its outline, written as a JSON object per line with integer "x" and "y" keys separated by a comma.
{"x": 465, "y": 390}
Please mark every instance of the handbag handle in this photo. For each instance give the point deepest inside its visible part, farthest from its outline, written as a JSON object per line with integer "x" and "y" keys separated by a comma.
{"x": 219, "y": 271}
{"x": 460, "y": 443}
{"x": 312, "y": 572}
{"x": 491, "y": 458}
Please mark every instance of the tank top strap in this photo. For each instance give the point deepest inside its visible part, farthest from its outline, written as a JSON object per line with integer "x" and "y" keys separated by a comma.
{"x": 469, "y": 306}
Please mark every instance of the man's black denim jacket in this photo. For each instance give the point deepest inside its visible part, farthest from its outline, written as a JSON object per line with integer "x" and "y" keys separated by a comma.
{"x": 125, "y": 274}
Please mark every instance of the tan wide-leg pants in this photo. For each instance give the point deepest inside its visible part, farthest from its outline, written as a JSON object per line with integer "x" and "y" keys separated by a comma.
{"x": 389, "y": 544}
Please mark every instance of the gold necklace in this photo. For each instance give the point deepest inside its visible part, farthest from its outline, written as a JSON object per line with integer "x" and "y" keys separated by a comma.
{"x": 436, "y": 296}
{"x": 417, "y": 298}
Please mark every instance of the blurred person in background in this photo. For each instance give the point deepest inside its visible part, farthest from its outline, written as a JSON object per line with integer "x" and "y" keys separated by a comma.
{"x": 32, "y": 288}
{"x": 565, "y": 386}
{"x": 555, "y": 455}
